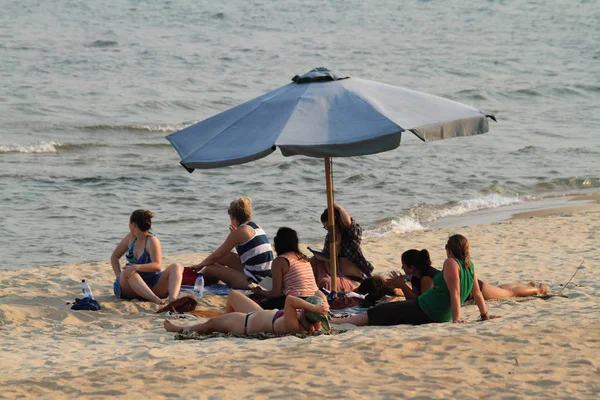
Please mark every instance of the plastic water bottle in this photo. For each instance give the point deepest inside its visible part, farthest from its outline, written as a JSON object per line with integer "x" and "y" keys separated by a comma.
{"x": 199, "y": 286}
{"x": 85, "y": 288}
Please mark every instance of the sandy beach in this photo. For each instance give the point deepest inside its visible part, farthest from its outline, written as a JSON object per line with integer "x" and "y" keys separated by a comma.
{"x": 539, "y": 348}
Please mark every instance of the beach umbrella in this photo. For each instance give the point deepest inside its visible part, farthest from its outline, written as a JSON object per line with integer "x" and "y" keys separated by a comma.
{"x": 323, "y": 114}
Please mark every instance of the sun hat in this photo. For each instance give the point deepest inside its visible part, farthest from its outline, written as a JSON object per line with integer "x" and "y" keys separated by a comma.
{"x": 317, "y": 317}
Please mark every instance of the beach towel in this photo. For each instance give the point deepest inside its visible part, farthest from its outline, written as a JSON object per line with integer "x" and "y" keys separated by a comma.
{"x": 87, "y": 303}
{"x": 219, "y": 289}
{"x": 349, "y": 311}
{"x": 189, "y": 335}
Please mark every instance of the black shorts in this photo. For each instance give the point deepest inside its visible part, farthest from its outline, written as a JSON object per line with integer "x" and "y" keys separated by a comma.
{"x": 406, "y": 312}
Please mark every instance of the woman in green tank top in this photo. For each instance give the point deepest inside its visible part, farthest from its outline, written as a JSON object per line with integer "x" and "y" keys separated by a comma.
{"x": 441, "y": 303}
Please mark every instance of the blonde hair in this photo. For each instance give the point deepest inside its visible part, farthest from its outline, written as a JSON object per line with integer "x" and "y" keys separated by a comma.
{"x": 241, "y": 209}
{"x": 459, "y": 246}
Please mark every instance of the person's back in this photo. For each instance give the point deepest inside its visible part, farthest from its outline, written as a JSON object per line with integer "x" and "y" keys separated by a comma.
{"x": 436, "y": 301}
{"x": 256, "y": 253}
{"x": 415, "y": 281}
{"x": 299, "y": 280}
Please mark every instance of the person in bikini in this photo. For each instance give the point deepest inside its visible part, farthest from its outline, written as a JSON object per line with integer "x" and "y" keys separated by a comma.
{"x": 254, "y": 256}
{"x": 244, "y": 317}
{"x": 141, "y": 277}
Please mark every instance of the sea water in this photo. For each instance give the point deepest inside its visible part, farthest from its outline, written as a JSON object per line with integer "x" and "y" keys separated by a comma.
{"x": 90, "y": 90}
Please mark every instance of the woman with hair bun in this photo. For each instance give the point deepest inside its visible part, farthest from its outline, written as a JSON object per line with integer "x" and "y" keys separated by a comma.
{"x": 417, "y": 264}
{"x": 141, "y": 277}
{"x": 254, "y": 256}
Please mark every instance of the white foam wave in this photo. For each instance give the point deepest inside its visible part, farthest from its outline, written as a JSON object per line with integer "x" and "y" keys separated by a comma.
{"x": 394, "y": 227}
{"x": 471, "y": 205}
{"x": 421, "y": 216}
{"x": 39, "y": 148}
{"x": 160, "y": 128}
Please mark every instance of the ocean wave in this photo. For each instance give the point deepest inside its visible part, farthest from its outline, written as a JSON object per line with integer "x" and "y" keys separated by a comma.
{"x": 419, "y": 217}
{"x": 527, "y": 150}
{"x": 45, "y": 147}
{"x": 102, "y": 43}
{"x": 522, "y": 93}
{"x": 141, "y": 127}
{"x": 395, "y": 226}
{"x": 588, "y": 88}
{"x": 563, "y": 185}
{"x": 40, "y": 148}
{"x": 476, "y": 204}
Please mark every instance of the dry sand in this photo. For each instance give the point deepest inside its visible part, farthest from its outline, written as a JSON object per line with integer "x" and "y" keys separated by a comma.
{"x": 540, "y": 348}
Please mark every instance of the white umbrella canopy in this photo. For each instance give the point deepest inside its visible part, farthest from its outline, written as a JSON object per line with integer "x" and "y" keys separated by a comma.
{"x": 322, "y": 114}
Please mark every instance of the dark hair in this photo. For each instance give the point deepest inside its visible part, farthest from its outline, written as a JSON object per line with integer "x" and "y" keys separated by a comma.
{"x": 375, "y": 287}
{"x": 142, "y": 218}
{"x": 418, "y": 259}
{"x": 459, "y": 246}
{"x": 286, "y": 240}
{"x": 241, "y": 209}
{"x": 337, "y": 218}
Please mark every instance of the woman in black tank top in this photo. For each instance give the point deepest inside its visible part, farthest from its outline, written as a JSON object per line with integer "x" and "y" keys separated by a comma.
{"x": 417, "y": 264}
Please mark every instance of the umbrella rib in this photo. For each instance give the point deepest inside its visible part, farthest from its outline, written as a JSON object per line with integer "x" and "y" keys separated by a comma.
{"x": 373, "y": 108}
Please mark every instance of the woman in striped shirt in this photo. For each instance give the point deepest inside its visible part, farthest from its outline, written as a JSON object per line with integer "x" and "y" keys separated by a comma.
{"x": 291, "y": 271}
{"x": 254, "y": 256}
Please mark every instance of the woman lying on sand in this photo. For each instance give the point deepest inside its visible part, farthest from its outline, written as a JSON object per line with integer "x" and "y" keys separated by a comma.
{"x": 244, "y": 317}
{"x": 291, "y": 271}
{"x": 417, "y": 264}
{"x": 141, "y": 276}
{"x": 441, "y": 303}
{"x": 252, "y": 262}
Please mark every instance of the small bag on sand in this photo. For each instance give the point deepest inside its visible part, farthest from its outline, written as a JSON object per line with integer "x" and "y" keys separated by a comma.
{"x": 184, "y": 304}
{"x": 86, "y": 303}
{"x": 189, "y": 276}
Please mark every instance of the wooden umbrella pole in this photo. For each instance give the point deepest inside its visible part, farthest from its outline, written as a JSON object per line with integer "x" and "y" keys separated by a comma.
{"x": 331, "y": 220}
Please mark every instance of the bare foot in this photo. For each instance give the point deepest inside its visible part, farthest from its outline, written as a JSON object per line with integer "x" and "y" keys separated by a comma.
{"x": 543, "y": 289}
{"x": 160, "y": 302}
{"x": 532, "y": 284}
{"x": 171, "y": 327}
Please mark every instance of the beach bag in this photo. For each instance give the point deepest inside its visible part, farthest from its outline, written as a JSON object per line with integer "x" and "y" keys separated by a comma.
{"x": 184, "y": 304}
{"x": 87, "y": 303}
{"x": 189, "y": 276}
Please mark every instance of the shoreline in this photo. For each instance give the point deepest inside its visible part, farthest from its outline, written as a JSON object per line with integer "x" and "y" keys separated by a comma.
{"x": 545, "y": 206}
{"x": 550, "y": 205}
